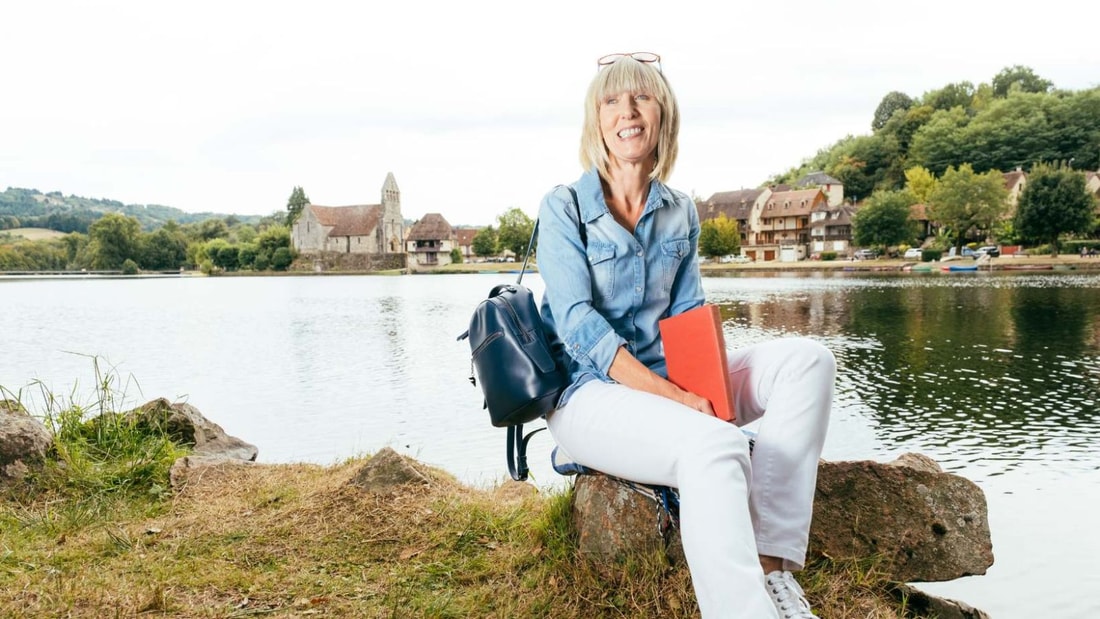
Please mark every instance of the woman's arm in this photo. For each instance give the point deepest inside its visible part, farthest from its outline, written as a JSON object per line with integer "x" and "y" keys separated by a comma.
{"x": 627, "y": 370}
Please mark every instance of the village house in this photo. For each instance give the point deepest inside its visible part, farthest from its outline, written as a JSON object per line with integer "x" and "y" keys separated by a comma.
{"x": 736, "y": 205}
{"x": 374, "y": 229}
{"x": 1015, "y": 181}
{"x": 831, "y": 228}
{"x": 833, "y": 188}
{"x": 785, "y": 225}
{"x": 464, "y": 238}
{"x": 430, "y": 242}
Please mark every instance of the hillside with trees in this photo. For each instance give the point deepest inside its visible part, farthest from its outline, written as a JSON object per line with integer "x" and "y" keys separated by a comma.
{"x": 30, "y": 208}
{"x": 1017, "y": 120}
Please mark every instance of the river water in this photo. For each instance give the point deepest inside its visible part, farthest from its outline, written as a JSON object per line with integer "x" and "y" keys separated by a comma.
{"x": 996, "y": 376}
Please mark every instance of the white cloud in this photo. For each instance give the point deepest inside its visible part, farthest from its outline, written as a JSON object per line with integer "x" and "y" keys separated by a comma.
{"x": 475, "y": 107}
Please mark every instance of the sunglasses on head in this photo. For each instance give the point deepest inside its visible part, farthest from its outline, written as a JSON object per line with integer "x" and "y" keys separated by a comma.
{"x": 645, "y": 57}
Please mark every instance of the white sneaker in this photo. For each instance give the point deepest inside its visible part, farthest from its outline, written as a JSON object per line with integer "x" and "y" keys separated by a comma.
{"x": 788, "y": 597}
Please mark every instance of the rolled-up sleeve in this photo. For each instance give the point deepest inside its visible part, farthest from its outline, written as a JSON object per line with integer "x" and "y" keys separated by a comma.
{"x": 562, "y": 257}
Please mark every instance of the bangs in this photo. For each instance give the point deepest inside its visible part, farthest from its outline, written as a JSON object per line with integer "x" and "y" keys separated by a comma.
{"x": 629, "y": 75}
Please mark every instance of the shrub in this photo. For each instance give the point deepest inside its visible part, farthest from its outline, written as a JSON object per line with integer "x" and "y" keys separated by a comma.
{"x": 456, "y": 256}
{"x": 129, "y": 267}
{"x": 262, "y": 261}
{"x": 281, "y": 259}
{"x": 928, "y": 255}
{"x": 828, "y": 255}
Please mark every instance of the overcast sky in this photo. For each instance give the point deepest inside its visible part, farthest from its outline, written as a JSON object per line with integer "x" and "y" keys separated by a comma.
{"x": 474, "y": 106}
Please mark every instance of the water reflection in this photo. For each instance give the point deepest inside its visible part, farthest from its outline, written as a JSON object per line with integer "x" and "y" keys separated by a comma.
{"x": 986, "y": 374}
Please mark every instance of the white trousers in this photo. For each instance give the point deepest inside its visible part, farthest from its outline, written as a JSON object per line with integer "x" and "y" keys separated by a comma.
{"x": 732, "y": 509}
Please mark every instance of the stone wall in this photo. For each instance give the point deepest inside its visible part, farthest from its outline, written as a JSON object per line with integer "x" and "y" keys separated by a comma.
{"x": 333, "y": 262}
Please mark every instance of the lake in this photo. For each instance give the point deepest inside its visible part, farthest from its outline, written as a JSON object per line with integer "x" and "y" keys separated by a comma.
{"x": 995, "y": 375}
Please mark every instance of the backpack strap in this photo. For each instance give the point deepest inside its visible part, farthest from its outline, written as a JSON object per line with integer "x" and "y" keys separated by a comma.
{"x": 516, "y": 448}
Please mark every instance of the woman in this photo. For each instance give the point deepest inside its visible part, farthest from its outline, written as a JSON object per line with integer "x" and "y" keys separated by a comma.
{"x": 614, "y": 263}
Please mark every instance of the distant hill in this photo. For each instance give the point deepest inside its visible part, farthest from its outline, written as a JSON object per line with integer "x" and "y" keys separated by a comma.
{"x": 30, "y": 208}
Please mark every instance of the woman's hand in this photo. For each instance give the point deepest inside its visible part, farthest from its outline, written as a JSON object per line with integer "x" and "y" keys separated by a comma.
{"x": 696, "y": 402}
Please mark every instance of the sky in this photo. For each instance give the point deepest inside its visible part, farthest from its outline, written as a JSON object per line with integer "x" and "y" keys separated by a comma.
{"x": 475, "y": 107}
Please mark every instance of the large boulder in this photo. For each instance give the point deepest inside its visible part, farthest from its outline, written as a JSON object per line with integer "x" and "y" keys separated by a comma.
{"x": 24, "y": 441}
{"x": 925, "y": 525}
{"x": 186, "y": 425}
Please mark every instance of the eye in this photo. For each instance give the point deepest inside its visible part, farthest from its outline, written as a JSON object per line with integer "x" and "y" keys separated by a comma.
{"x": 641, "y": 97}
{"x": 611, "y": 101}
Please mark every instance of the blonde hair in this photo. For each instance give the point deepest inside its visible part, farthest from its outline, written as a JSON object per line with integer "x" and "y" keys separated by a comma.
{"x": 629, "y": 75}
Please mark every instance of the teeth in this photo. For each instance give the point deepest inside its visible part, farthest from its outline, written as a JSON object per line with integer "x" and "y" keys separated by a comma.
{"x": 629, "y": 133}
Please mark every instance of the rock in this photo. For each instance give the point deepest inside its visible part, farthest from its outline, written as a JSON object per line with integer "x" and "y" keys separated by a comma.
{"x": 922, "y": 604}
{"x": 24, "y": 441}
{"x": 925, "y": 524}
{"x": 385, "y": 471}
{"x": 185, "y": 424}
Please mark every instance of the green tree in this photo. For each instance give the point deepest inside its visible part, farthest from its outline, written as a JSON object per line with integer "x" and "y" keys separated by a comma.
{"x": 919, "y": 182}
{"x": 456, "y": 256}
{"x": 1020, "y": 78}
{"x": 163, "y": 250}
{"x": 273, "y": 238}
{"x": 294, "y": 205}
{"x": 958, "y": 94}
{"x": 515, "y": 230}
{"x": 965, "y": 202}
{"x": 883, "y": 221}
{"x": 485, "y": 242}
{"x": 863, "y": 164}
{"x": 1053, "y": 203}
{"x": 113, "y": 240}
{"x": 719, "y": 236}
{"x": 246, "y": 259}
{"x": 890, "y": 104}
{"x": 939, "y": 142}
{"x": 228, "y": 257}
{"x": 281, "y": 258}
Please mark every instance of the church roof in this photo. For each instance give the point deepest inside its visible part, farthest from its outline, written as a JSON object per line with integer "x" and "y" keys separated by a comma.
{"x": 355, "y": 220}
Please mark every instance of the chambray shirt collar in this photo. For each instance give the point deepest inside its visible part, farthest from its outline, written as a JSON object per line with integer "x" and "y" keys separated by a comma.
{"x": 592, "y": 204}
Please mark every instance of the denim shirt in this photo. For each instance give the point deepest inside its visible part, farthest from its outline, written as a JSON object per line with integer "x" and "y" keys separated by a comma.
{"x": 612, "y": 292}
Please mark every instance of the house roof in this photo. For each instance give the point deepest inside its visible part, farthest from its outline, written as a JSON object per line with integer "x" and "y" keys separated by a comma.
{"x": 840, "y": 215}
{"x": 355, "y": 220}
{"x": 1013, "y": 177}
{"x": 816, "y": 179}
{"x": 733, "y": 204}
{"x": 431, "y": 227}
{"x": 790, "y": 203}
{"x": 465, "y": 236}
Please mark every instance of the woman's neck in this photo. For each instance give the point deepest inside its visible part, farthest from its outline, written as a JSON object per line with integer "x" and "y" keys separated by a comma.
{"x": 625, "y": 190}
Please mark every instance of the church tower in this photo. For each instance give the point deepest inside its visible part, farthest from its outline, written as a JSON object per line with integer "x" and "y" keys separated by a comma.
{"x": 392, "y": 224}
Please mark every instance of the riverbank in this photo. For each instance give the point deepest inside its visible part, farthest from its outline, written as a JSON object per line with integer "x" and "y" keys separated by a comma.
{"x": 297, "y": 539}
{"x": 1006, "y": 263}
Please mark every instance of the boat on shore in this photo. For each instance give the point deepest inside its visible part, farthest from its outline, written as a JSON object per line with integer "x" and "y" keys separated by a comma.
{"x": 955, "y": 268}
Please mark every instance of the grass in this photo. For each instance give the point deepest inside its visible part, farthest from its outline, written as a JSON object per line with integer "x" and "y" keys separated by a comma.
{"x": 96, "y": 534}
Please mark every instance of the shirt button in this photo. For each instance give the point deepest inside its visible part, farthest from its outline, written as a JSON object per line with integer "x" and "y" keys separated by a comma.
{"x": 637, "y": 289}
{"x": 640, "y": 252}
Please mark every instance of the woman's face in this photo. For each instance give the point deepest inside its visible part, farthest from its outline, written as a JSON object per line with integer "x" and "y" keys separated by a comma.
{"x": 630, "y": 123}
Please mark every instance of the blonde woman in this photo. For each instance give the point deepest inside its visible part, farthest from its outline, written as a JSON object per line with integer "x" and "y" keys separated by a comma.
{"x": 614, "y": 263}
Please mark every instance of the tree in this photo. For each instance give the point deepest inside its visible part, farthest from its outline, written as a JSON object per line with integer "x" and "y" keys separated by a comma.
{"x": 515, "y": 230}
{"x": 919, "y": 182}
{"x": 113, "y": 240}
{"x": 1054, "y": 202}
{"x": 1020, "y": 78}
{"x": 456, "y": 256}
{"x": 719, "y": 236}
{"x": 884, "y": 219}
{"x": 294, "y": 205}
{"x": 281, "y": 258}
{"x": 485, "y": 242}
{"x": 891, "y": 103}
{"x": 272, "y": 239}
{"x": 958, "y": 94}
{"x": 965, "y": 202}
{"x": 163, "y": 250}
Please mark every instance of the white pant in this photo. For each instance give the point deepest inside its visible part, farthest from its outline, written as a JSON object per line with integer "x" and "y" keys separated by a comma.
{"x": 731, "y": 509}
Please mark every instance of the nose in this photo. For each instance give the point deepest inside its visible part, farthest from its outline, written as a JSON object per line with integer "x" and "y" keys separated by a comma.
{"x": 628, "y": 108}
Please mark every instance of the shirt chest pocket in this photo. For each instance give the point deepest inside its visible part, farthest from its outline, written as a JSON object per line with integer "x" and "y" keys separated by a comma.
{"x": 601, "y": 264}
{"x": 672, "y": 255}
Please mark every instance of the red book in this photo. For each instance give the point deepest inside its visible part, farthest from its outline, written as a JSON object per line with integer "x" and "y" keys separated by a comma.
{"x": 695, "y": 353}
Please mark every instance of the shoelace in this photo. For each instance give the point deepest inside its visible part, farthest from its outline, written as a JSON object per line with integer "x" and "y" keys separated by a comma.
{"x": 788, "y": 595}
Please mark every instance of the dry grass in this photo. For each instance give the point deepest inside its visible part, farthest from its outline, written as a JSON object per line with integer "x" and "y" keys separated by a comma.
{"x": 35, "y": 234}
{"x": 299, "y": 540}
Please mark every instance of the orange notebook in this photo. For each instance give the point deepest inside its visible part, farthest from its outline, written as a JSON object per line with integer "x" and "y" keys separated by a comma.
{"x": 695, "y": 353}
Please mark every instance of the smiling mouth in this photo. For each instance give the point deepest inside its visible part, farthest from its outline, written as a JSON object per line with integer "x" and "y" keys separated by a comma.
{"x": 629, "y": 133}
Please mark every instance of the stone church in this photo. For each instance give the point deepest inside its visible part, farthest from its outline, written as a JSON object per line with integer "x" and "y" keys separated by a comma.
{"x": 373, "y": 229}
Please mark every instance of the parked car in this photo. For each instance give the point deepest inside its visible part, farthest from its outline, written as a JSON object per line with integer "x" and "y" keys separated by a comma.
{"x": 966, "y": 253}
{"x": 989, "y": 250}
{"x": 728, "y": 258}
{"x": 913, "y": 253}
{"x": 866, "y": 254}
